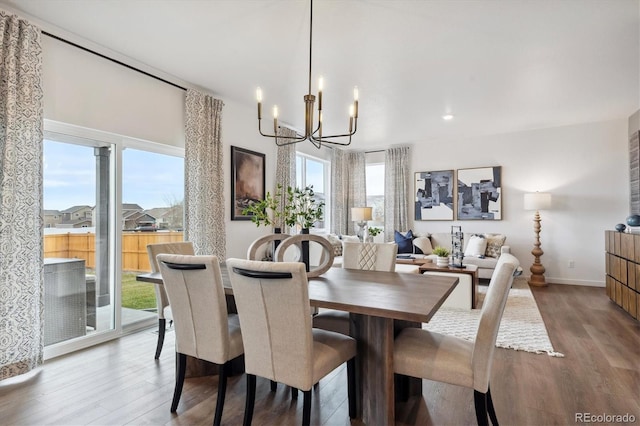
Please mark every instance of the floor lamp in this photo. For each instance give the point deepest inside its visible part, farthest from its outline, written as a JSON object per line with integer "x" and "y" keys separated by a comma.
{"x": 537, "y": 201}
{"x": 361, "y": 215}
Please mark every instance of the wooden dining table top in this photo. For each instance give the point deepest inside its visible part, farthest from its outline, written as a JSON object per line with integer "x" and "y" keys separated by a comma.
{"x": 402, "y": 296}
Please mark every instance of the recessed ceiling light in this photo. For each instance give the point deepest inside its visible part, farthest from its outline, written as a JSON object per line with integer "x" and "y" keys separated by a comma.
{"x": 447, "y": 117}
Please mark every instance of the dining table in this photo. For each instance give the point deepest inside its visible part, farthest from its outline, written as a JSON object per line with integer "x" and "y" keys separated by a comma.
{"x": 380, "y": 305}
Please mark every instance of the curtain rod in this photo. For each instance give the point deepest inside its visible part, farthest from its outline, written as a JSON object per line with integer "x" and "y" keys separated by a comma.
{"x": 377, "y": 150}
{"x": 113, "y": 60}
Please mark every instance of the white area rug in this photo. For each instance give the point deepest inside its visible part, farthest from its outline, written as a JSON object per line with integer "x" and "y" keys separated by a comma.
{"x": 521, "y": 328}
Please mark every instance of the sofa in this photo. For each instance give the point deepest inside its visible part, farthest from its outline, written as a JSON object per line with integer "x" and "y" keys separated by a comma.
{"x": 482, "y": 250}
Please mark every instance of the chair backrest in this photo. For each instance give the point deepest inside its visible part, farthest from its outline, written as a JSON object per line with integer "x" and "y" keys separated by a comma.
{"x": 490, "y": 317}
{"x": 153, "y": 250}
{"x": 369, "y": 256}
{"x": 196, "y": 293}
{"x": 273, "y": 306}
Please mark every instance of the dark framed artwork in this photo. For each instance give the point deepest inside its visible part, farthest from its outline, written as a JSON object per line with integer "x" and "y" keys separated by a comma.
{"x": 247, "y": 180}
{"x": 434, "y": 195}
{"x": 479, "y": 193}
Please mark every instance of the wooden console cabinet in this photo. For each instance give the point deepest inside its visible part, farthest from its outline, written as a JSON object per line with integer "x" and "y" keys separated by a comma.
{"x": 623, "y": 270}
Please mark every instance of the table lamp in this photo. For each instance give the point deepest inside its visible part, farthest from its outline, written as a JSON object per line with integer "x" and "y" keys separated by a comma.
{"x": 361, "y": 215}
{"x": 537, "y": 201}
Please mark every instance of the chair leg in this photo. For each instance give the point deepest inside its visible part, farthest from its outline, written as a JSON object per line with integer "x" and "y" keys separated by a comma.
{"x": 274, "y": 385}
{"x": 351, "y": 387}
{"x": 492, "y": 411}
{"x": 251, "y": 398}
{"x": 306, "y": 408}
{"x": 294, "y": 393}
{"x": 222, "y": 389}
{"x": 480, "y": 400}
{"x": 181, "y": 368}
{"x": 161, "y": 327}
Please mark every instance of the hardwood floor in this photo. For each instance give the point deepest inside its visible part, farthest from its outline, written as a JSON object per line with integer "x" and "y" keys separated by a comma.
{"x": 119, "y": 382}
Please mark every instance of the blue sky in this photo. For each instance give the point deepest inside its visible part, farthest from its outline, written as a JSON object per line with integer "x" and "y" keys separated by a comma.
{"x": 150, "y": 180}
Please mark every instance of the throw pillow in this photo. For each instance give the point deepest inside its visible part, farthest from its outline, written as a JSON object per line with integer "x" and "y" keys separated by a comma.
{"x": 350, "y": 238}
{"x": 336, "y": 244}
{"x": 476, "y": 247}
{"x": 404, "y": 242}
{"x": 422, "y": 245}
{"x": 494, "y": 244}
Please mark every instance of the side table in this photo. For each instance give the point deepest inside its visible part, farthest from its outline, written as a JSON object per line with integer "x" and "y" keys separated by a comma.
{"x": 468, "y": 269}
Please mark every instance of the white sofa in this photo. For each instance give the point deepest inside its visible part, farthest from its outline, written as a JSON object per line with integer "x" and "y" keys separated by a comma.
{"x": 486, "y": 262}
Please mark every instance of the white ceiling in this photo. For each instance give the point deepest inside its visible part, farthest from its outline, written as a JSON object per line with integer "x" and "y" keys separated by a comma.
{"x": 497, "y": 65}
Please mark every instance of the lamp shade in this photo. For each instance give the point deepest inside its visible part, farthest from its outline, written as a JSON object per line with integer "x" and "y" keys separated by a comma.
{"x": 537, "y": 201}
{"x": 361, "y": 214}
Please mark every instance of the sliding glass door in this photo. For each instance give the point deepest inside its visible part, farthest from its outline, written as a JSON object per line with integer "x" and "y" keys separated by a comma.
{"x": 78, "y": 239}
{"x": 105, "y": 198}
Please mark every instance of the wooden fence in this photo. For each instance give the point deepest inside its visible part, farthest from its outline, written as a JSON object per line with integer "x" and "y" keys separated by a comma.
{"x": 83, "y": 246}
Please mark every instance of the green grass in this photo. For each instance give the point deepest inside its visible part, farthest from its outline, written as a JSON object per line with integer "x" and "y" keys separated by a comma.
{"x": 136, "y": 294}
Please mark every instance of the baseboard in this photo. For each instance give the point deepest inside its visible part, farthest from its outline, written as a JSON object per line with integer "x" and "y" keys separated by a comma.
{"x": 564, "y": 281}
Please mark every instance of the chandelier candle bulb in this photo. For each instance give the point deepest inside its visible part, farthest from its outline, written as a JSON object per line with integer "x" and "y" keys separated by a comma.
{"x": 355, "y": 93}
{"x": 259, "y": 94}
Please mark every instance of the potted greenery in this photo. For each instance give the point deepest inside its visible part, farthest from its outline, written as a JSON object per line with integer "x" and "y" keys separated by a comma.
{"x": 372, "y": 232}
{"x": 265, "y": 212}
{"x": 302, "y": 210}
{"x": 443, "y": 256}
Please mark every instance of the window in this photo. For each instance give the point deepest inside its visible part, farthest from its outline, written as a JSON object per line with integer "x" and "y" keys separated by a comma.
{"x": 314, "y": 172}
{"x": 374, "y": 174}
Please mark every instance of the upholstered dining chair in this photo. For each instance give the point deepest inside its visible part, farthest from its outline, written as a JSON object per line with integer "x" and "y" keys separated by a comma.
{"x": 363, "y": 256}
{"x": 433, "y": 356}
{"x": 162, "y": 303}
{"x": 273, "y": 305}
{"x": 203, "y": 328}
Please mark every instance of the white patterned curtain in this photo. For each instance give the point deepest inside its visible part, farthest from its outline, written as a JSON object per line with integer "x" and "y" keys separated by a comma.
{"x": 204, "y": 175}
{"x": 285, "y": 170}
{"x": 397, "y": 186}
{"x": 348, "y": 189}
{"x": 21, "y": 221}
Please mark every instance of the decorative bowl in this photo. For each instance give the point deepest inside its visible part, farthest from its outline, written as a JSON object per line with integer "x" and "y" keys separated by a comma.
{"x": 633, "y": 220}
{"x": 621, "y": 227}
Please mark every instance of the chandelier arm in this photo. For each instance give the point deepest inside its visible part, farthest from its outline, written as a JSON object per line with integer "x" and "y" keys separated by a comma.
{"x": 329, "y": 141}
{"x": 291, "y": 142}
{"x": 277, "y": 136}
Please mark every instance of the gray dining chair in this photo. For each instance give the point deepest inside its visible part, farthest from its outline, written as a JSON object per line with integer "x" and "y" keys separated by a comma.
{"x": 203, "y": 328}
{"x": 434, "y": 356}
{"x": 273, "y": 305}
{"x": 363, "y": 256}
{"x": 162, "y": 303}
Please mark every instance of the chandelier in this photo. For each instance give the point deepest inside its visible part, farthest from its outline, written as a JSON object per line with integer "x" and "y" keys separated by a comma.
{"x": 314, "y": 136}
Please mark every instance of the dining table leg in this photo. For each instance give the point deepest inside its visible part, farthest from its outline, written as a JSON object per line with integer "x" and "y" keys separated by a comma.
{"x": 376, "y": 387}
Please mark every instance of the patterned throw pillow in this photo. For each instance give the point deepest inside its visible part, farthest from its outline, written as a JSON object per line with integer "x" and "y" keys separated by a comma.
{"x": 494, "y": 244}
{"x": 336, "y": 244}
{"x": 404, "y": 242}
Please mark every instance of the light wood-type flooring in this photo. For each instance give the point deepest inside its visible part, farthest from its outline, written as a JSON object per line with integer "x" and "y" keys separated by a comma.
{"x": 119, "y": 382}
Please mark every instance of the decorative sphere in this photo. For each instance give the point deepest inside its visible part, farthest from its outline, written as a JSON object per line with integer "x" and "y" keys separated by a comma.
{"x": 633, "y": 220}
{"x": 621, "y": 227}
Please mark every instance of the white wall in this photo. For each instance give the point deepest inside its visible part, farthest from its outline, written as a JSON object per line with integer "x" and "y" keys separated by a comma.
{"x": 584, "y": 167}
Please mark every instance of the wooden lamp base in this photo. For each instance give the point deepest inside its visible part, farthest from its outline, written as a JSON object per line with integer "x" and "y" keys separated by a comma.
{"x": 537, "y": 278}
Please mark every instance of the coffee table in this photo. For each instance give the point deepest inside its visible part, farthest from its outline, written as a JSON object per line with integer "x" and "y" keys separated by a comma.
{"x": 467, "y": 269}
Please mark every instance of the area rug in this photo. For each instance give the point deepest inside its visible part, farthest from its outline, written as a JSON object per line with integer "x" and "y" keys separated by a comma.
{"x": 521, "y": 328}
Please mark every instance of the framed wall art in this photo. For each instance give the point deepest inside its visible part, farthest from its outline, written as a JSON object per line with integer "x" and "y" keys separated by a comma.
{"x": 434, "y": 195}
{"x": 479, "y": 194}
{"x": 247, "y": 180}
